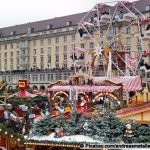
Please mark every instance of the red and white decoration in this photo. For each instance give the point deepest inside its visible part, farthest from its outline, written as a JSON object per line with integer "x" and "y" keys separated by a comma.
{"x": 132, "y": 63}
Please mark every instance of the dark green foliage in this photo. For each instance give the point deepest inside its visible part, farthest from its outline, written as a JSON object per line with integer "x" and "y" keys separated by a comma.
{"x": 15, "y": 101}
{"x": 104, "y": 126}
{"x": 141, "y": 133}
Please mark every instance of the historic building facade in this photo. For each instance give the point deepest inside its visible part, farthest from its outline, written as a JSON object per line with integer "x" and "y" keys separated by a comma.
{"x": 41, "y": 51}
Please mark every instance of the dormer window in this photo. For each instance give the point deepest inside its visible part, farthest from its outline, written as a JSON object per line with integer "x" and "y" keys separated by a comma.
{"x": 13, "y": 33}
{"x": 147, "y": 8}
{"x": 30, "y": 30}
{"x": 68, "y": 23}
{"x": 49, "y": 27}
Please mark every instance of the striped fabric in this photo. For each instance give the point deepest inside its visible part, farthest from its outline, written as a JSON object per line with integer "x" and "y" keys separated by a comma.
{"x": 86, "y": 88}
{"x": 130, "y": 83}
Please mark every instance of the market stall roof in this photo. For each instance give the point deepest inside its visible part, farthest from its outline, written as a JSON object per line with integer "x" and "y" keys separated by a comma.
{"x": 22, "y": 94}
{"x": 130, "y": 83}
{"x": 85, "y": 88}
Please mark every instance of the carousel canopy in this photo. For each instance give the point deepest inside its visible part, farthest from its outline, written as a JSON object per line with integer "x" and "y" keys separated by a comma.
{"x": 22, "y": 94}
{"x": 85, "y": 88}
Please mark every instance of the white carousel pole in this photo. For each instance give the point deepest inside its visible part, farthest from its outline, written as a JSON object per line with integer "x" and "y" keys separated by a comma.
{"x": 109, "y": 70}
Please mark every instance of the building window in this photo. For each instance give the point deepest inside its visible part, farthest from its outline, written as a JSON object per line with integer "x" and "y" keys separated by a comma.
{"x": 57, "y": 65}
{"x": 65, "y": 57}
{"x": 57, "y": 58}
{"x": 82, "y": 45}
{"x": 23, "y": 60}
{"x": 138, "y": 41}
{"x": 42, "y": 51}
{"x": 41, "y": 42}
{"x": 48, "y": 77}
{"x": 23, "y": 52}
{"x": 5, "y": 62}
{"x": 40, "y": 77}
{"x": 49, "y": 59}
{"x": 5, "y": 54}
{"x": 139, "y": 48}
{"x": 57, "y": 76}
{"x": 57, "y": 40}
{"x": 34, "y": 59}
{"x": 57, "y": 49}
{"x": 49, "y": 41}
{"x": 65, "y": 76}
{"x": 128, "y": 30}
{"x": 128, "y": 41}
{"x": 5, "y": 46}
{"x": 11, "y": 45}
{"x": 32, "y": 77}
{"x": 52, "y": 78}
{"x": 147, "y": 8}
{"x": 17, "y": 61}
{"x": 17, "y": 45}
{"x": 36, "y": 77}
{"x": 43, "y": 77}
{"x": 65, "y": 48}
{"x": 17, "y": 53}
{"x": 65, "y": 66}
{"x": 29, "y": 77}
{"x": 65, "y": 38}
{"x": 73, "y": 37}
{"x": 34, "y": 43}
{"x": 34, "y": 51}
{"x": 49, "y": 50}
{"x": 42, "y": 59}
{"x": 91, "y": 45}
{"x": 11, "y": 61}
{"x": 11, "y": 54}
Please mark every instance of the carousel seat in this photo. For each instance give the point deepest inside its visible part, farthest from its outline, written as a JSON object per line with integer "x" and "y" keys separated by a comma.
{"x": 106, "y": 18}
{"x": 127, "y": 17}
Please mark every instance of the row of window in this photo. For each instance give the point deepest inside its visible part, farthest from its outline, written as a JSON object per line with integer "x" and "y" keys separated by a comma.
{"x": 41, "y": 77}
{"x": 57, "y": 39}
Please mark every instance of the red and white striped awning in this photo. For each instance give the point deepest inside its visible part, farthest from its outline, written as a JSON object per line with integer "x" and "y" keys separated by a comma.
{"x": 85, "y": 88}
{"x": 130, "y": 83}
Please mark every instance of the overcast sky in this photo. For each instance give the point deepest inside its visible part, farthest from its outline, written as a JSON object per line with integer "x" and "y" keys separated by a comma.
{"x": 14, "y": 12}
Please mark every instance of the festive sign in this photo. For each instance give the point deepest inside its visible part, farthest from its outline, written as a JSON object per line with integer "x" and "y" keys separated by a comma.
{"x": 23, "y": 84}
